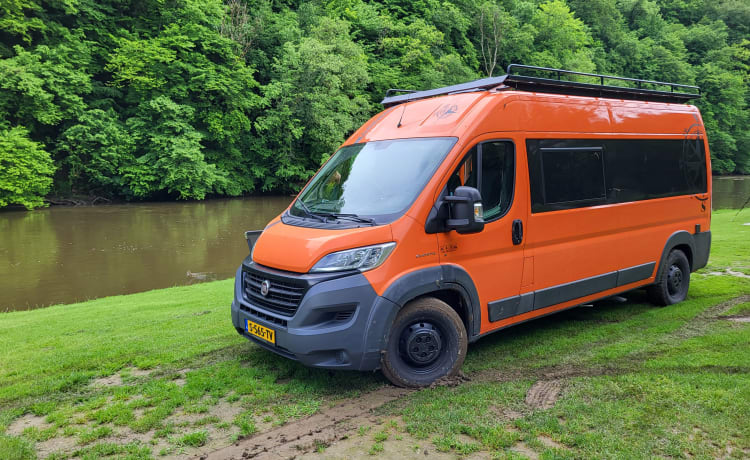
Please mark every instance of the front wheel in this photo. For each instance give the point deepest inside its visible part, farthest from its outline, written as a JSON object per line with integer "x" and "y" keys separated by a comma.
{"x": 427, "y": 342}
{"x": 672, "y": 286}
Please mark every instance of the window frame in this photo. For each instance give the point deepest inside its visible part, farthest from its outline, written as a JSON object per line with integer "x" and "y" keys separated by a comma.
{"x": 466, "y": 155}
{"x": 616, "y": 149}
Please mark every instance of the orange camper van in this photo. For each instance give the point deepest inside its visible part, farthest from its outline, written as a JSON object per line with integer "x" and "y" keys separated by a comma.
{"x": 460, "y": 211}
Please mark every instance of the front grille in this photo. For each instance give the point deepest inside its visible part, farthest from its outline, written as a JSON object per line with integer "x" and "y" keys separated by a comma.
{"x": 283, "y": 296}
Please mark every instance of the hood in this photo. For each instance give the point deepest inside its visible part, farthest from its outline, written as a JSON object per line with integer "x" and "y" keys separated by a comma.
{"x": 297, "y": 249}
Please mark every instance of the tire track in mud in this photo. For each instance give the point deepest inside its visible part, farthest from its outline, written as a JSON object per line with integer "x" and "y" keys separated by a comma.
{"x": 325, "y": 427}
{"x": 337, "y": 422}
{"x": 543, "y": 394}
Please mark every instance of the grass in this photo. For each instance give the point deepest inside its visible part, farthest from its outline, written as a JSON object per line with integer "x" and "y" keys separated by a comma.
{"x": 195, "y": 439}
{"x": 729, "y": 245}
{"x": 663, "y": 382}
{"x": 742, "y": 309}
{"x": 639, "y": 381}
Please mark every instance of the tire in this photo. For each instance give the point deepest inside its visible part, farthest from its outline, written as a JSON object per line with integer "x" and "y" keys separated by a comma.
{"x": 673, "y": 283}
{"x": 427, "y": 342}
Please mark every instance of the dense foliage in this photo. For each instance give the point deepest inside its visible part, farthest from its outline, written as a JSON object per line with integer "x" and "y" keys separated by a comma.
{"x": 25, "y": 169}
{"x": 143, "y": 99}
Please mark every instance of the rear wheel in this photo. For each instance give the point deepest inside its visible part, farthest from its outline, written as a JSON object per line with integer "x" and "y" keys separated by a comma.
{"x": 673, "y": 283}
{"x": 427, "y": 342}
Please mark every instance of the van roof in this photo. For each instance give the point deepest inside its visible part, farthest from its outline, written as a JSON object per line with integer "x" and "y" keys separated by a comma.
{"x": 466, "y": 114}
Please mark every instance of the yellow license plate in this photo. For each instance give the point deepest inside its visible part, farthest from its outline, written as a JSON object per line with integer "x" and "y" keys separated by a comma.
{"x": 269, "y": 335}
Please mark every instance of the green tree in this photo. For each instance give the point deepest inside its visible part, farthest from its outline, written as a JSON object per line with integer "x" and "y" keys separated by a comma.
{"x": 95, "y": 149}
{"x": 140, "y": 99}
{"x": 314, "y": 100}
{"x": 561, "y": 40}
{"x": 25, "y": 169}
{"x": 170, "y": 157}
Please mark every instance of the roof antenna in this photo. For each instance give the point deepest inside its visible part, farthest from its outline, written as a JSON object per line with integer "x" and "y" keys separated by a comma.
{"x": 402, "y": 114}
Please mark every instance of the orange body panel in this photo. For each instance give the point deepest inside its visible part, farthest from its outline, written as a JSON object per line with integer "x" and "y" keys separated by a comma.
{"x": 289, "y": 248}
{"x": 585, "y": 241}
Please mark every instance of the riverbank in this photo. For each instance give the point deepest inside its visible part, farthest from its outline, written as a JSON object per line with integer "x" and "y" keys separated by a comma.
{"x": 68, "y": 254}
{"x": 163, "y": 373}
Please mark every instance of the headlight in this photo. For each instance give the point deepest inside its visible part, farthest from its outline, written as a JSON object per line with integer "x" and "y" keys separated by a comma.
{"x": 362, "y": 259}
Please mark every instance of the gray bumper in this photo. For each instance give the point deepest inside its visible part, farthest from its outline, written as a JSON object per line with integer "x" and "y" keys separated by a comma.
{"x": 316, "y": 335}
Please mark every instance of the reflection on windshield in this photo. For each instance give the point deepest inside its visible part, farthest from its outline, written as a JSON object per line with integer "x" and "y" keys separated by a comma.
{"x": 380, "y": 178}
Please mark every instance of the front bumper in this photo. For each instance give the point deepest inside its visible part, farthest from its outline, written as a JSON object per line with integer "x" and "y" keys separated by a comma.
{"x": 340, "y": 323}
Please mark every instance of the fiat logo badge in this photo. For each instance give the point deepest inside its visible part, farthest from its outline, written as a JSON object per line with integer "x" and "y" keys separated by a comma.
{"x": 265, "y": 286}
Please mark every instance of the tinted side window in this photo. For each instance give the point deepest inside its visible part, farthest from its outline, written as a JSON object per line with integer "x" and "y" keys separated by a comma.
{"x": 490, "y": 168}
{"x": 498, "y": 174}
{"x": 572, "y": 175}
{"x": 633, "y": 170}
{"x": 654, "y": 169}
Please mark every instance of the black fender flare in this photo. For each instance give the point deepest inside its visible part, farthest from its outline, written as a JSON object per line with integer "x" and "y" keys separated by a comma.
{"x": 431, "y": 279}
{"x": 678, "y": 238}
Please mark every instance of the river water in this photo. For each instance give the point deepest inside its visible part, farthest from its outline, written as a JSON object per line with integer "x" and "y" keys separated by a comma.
{"x": 67, "y": 254}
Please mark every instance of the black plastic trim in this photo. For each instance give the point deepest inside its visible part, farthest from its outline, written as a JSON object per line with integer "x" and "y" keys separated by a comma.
{"x": 564, "y": 292}
{"x": 512, "y": 306}
{"x": 633, "y": 274}
{"x": 702, "y": 249}
{"x": 547, "y": 297}
{"x": 437, "y": 278}
{"x": 678, "y": 238}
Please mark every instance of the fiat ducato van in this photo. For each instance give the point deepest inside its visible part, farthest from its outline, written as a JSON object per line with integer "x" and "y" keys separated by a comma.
{"x": 461, "y": 211}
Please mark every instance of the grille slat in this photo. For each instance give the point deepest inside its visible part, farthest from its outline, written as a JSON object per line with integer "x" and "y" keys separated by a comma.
{"x": 343, "y": 315}
{"x": 284, "y": 295}
{"x": 269, "y": 318}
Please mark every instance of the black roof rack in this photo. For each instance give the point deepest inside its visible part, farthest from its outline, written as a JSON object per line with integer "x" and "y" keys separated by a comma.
{"x": 557, "y": 85}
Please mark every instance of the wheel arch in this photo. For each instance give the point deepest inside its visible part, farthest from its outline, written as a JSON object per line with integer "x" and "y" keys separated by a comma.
{"x": 449, "y": 283}
{"x": 681, "y": 240}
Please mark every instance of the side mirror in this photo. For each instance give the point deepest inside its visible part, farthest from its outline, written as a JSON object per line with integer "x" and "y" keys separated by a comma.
{"x": 465, "y": 211}
{"x": 251, "y": 237}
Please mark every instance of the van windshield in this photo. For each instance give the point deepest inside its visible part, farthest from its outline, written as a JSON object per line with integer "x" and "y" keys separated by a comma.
{"x": 373, "y": 182}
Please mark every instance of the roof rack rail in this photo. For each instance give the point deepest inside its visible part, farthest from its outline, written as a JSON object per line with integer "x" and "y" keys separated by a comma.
{"x": 557, "y": 85}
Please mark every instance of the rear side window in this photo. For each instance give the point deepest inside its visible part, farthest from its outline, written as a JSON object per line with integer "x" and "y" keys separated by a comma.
{"x": 574, "y": 173}
{"x": 490, "y": 168}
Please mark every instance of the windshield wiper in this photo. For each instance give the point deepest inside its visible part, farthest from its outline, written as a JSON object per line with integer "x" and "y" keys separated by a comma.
{"x": 353, "y": 217}
{"x": 310, "y": 213}
{"x": 324, "y": 216}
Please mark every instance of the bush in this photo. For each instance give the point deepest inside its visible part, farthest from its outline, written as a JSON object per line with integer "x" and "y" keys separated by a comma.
{"x": 25, "y": 169}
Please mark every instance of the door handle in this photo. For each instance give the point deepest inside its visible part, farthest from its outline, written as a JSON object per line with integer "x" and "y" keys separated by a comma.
{"x": 517, "y": 231}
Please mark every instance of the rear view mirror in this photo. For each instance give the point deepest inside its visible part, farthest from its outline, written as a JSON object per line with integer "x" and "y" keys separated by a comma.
{"x": 465, "y": 210}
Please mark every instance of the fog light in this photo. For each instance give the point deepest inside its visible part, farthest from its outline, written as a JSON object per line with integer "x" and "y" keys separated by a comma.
{"x": 342, "y": 357}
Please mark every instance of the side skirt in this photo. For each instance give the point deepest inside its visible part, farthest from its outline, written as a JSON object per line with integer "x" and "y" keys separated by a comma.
{"x": 543, "y": 298}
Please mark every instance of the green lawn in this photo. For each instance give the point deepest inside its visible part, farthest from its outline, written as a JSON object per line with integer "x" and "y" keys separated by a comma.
{"x": 164, "y": 372}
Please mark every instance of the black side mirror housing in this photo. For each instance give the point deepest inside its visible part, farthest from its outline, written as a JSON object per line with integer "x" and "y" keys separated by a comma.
{"x": 463, "y": 218}
{"x": 251, "y": 237}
